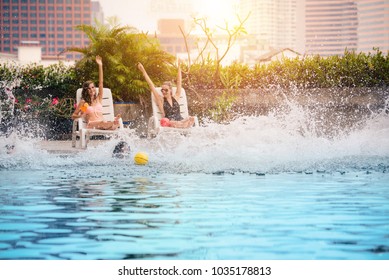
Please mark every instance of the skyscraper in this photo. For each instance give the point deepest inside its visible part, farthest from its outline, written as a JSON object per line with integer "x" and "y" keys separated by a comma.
{"x": 331, "y": 26}
{"x": 172, "y": 9}
{"x": 272, "y": 21}
{"x": 50, "y": 23}
{"x": 373, "y": 25}
{"x": 324, "y": 27}
{"x": 97, "y": 12}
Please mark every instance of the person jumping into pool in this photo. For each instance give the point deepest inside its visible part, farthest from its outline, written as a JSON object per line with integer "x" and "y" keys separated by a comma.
{"x": 121, "y": 150}
{"x": 167, "y": 103}
{"x": 91, "y": 106}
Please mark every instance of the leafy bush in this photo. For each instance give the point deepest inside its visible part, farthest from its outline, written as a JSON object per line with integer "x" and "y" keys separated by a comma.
{"x": 44, "y": 98}
{"x": 56, "y": 80}
{"x": 224, "y": 102}
{"x": 349, "y": 70}
{"x": 36, "y": 87}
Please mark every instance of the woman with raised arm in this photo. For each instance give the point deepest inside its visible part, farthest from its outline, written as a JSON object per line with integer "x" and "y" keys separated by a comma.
{"x": 91, "y": 106}
{"x": 167, "y": 103}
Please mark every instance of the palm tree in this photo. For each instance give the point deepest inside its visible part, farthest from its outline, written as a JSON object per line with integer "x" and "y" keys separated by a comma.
{"x": 121, "y": 49}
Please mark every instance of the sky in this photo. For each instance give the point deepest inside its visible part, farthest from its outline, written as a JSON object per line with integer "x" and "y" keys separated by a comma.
{"x": 144, "y": 14}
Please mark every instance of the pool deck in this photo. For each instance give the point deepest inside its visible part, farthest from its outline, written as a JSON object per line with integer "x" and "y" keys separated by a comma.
{"x": 63, "y": 146}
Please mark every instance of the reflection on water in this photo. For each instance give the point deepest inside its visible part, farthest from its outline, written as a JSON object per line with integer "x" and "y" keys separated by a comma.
{"x": 59, "y": 215}
{"x": 64, "y": 215}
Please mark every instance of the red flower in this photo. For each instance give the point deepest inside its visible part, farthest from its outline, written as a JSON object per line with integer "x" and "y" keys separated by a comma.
{"x": 28, "y": 100}
{"x": 55, "y": 101}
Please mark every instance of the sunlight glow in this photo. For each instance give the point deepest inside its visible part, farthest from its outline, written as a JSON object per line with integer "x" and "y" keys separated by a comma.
{"x": 218, "y": 11}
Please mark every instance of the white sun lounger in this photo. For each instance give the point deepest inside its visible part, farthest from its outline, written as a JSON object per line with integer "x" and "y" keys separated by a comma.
{"x": 81, "y": 135}
{"x": 154, "y": 126}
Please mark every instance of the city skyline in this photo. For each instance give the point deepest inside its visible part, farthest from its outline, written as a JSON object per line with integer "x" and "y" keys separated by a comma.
{"x": 324, "y": 27}
{"x": 145, "y": 14}
{"x": 48, "y": 24}
{"x": 307, "y": 27}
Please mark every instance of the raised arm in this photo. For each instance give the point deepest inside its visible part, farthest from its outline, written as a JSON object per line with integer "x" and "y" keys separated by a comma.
{"x": 99, "y": 62}
{"x": 179, "y": 81}
{"x": 157, "y": 97}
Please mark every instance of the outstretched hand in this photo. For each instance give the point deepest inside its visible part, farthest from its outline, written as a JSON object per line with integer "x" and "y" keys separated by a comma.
{"x": 140, "y": 66}
{"x": 99, "y": 60}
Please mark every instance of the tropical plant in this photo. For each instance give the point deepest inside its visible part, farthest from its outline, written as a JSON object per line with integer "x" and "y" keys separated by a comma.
{"x": 55, "y": 80}
{"x": 121, "y": 49}
{"x": 224, "y": 102}
{"x": 42, "y": 105}
{"x": 35, "y": 107}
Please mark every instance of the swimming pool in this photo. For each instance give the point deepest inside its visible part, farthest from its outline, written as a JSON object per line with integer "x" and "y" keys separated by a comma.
{"x": 257, "y": 188}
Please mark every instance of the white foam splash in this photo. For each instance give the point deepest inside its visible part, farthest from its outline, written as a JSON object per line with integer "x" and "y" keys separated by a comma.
{"x": 267, "y": 143}
{"x": 279, "y": 142}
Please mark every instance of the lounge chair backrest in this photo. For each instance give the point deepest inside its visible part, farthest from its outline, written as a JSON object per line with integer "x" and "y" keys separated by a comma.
{"x": 182, "y": 101}
{"x": 81, "y": 134}
{"x": 107, "y": 103}
{"x": 154, "y": 127}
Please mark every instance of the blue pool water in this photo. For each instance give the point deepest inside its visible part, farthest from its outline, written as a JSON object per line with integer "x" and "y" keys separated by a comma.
{"x": 57, "y": 215}
{"x": 258, "y": 188}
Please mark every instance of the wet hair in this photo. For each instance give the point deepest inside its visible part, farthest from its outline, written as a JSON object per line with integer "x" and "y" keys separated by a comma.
{"x": 121, "y": 149}
{"x": 84, "y": 93}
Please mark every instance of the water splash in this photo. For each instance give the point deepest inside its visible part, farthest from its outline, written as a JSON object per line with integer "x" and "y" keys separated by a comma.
{"x": 288, "y": 140}
{"x": 268, "y": 144}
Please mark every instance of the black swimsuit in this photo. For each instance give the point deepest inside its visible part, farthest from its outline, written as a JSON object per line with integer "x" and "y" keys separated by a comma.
{"x": 172, "y": 112}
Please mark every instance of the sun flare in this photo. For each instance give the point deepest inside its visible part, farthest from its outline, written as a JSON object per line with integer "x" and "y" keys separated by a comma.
{"x": 217, "y": 11}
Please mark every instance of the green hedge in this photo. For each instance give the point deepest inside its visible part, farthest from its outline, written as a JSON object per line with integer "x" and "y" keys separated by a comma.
{"x": 46, "y": 95}
{"x": 37, "y": 83}
{"x": 350, "y": 70}
{"x": 30, "y": 80}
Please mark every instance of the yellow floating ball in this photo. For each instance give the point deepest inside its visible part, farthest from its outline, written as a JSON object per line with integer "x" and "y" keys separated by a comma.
{"x": 141, "y": 158}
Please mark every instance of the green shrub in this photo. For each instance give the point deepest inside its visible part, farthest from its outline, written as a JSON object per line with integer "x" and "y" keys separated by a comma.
{"x": 349, "y": 70}
{"x": 37, "y": 87}
{"x": 39, "y": 90}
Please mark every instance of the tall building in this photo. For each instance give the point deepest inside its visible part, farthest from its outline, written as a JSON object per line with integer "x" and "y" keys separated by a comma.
{"x": 172, "y": 17}
{"x": 49, "y": 22}
{"x": 97, "y": 12}
{"x": 324, "y": 27}
{"x": 373, "y": 25}
{"x": 170, "y": 36}
{"x": 171, "y": 10}
{"x": 331, "y": 26}
{"x": 273, "y": 22}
